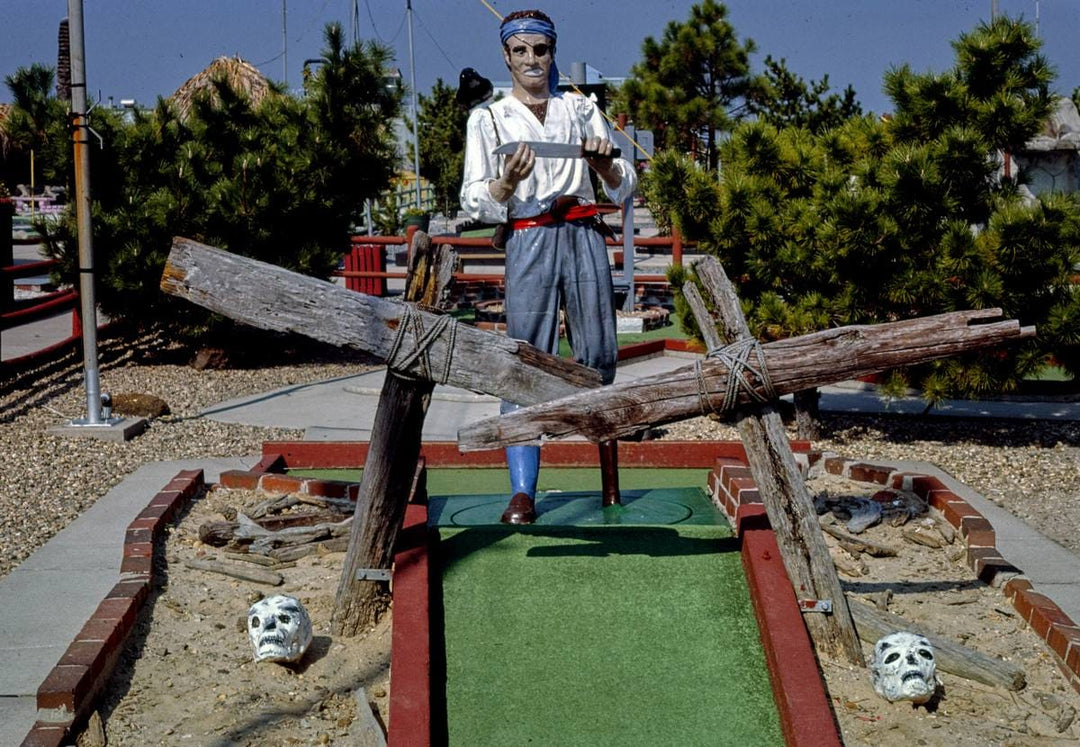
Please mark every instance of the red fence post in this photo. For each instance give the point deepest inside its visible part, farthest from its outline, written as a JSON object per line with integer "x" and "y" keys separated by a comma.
{"x": 7, "y": 253}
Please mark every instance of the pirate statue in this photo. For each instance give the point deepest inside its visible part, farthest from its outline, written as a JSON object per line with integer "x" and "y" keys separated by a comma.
{"x": 556, "y": 256}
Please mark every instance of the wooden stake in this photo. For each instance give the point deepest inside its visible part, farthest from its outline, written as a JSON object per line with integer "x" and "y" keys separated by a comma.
{"x": 390, "y": 468}
{"x": 783, "y": 490}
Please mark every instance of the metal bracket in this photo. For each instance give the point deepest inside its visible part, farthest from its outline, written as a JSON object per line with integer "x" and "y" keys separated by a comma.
{"x": 373, "y": 574}
{"x": 816, "y": 605}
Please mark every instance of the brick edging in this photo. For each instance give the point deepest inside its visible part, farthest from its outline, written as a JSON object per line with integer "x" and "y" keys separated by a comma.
{"x": 69, "y": 692}
{"x": 734, "y": 491}
{"x": 806, "y": 718}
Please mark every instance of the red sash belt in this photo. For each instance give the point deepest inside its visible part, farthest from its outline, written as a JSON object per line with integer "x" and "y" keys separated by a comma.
{"x": 575, "y": 212}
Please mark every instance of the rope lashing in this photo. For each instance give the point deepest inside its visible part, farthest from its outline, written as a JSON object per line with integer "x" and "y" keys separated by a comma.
{"x": 412, "y": 322}
{"x": 741, "y": 375}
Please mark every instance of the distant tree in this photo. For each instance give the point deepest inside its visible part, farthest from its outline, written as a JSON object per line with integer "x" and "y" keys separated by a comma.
{"x": 784, "y": 98}
{"x": 691, "y": 84}
{"x": 37, "y": 122}
{"x": 283, "y": 181}
{"x": 442, "y": 145}
{"x": 878, "y": 220}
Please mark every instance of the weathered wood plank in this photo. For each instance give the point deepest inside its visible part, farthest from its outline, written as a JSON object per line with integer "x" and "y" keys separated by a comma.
{"x": 390, "y": 468}
{"x": 783, "y": 491}
{"x": 951, "y": 657}
{"x": 269, "y": 297}
{"x": 793, "y": 365}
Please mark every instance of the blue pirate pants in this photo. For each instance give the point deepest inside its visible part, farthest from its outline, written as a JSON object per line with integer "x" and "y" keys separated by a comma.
{"x": 547, "y": 268}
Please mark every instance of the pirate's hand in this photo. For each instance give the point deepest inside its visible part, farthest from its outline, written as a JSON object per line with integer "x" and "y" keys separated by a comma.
{"x": 518, "y": 166}
{"x": 598, "y": 154}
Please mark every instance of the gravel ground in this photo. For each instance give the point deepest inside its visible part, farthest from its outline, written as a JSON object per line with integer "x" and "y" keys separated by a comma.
{"x": 1032, "y": 469}
{"x": 46, "y": 480}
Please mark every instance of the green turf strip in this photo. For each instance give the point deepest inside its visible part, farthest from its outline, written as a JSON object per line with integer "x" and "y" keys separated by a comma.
{"x": 601, "y": 635}
{"x": 450, "y": 481}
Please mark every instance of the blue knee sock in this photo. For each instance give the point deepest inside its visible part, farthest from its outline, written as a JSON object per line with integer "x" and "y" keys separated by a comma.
{"x": 524, "y": 464}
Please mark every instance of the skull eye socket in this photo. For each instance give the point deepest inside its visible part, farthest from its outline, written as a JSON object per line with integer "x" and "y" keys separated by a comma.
{"x": 255, "y": 622}
{"x": 925, "y": 653}
{"x": 283, "y": 618}
{"x": 892, "y": 657}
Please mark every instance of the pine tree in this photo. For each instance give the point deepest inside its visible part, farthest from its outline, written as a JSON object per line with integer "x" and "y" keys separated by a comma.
{"x": 693, "y": 83}
{"x": 784, "y": 99}
{"x": 442, "y": 144}
{"x": 283, "y": 182}
{"x": 879, "y": 220}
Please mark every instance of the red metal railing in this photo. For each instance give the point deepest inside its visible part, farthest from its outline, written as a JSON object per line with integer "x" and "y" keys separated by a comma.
{"x": 365, "y": 263}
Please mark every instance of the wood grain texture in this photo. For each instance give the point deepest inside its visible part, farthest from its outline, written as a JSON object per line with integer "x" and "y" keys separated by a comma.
{"x": 269, "y": 297}
{"x": 793, "y": 365}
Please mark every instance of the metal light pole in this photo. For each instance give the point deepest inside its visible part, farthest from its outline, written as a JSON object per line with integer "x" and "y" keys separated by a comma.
{"x": 415, "y": 123}
{"x": 284, "y": 45}
{"x": 80, "y": 137}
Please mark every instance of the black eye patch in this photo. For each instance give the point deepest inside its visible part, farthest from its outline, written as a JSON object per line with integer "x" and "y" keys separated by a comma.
{"x": 540, "y": 50}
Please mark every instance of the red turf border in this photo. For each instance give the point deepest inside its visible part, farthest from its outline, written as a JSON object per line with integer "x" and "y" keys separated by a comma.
{"x": 67, "y": 695}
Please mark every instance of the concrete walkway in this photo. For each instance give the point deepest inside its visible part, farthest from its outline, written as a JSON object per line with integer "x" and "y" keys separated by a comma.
{"x": 47, "y": 599}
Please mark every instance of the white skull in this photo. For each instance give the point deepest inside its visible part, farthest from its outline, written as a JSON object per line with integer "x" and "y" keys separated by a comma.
{"x": 904, "y": 668}
{"x": 279, "y": 628}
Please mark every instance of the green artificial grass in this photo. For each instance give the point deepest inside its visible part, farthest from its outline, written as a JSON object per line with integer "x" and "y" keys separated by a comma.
{"x": 452, "y": 481}
{"x": 601, "y": 636}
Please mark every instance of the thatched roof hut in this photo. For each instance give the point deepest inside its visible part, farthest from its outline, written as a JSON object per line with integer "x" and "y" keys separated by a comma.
{"x": 242, "y": 76}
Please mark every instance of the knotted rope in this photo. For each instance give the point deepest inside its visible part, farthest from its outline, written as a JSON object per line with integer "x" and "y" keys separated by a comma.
{"x": 741, "y": 375}
{"x": 412, "y": 321}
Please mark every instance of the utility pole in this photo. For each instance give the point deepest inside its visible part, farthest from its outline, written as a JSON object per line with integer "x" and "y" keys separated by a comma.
{"x": 415, "y": 109}
{"x": 80, "y": 135}
{"x": 98, "y": 421}
{"x": 284, "y": 45}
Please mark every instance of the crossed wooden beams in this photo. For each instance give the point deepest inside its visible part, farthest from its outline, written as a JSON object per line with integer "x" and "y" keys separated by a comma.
{"x": 422, "y": 347}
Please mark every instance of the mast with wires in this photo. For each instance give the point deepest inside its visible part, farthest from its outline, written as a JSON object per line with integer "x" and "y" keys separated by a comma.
{"x": 415, "y": 122}
{"x": 284, "y": 45}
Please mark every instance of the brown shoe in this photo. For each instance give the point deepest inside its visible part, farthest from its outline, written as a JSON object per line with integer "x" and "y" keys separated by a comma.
{"x": 522, "y": 510}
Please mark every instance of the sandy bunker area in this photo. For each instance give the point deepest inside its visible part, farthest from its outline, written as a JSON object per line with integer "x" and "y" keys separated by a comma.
{"x": 187, "y": 676}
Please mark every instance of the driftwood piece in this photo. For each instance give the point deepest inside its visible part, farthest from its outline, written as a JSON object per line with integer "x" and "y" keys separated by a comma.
{"x": 273, "y": 505}
{"x": 852, "y": 543}
{"x": 952, "y": 657}
{"x": 925, "y": 536}
{"x": 323, "y": 547}
{"x": 270, "y": 297}
{"x": 783, "y": 491}
{"x": 794, "y": 364}
{"x": 390, "y": 468}
{"x": 258, "y": 559}
{"x": 258, "y": 575}
{"x": 219, "y": 533}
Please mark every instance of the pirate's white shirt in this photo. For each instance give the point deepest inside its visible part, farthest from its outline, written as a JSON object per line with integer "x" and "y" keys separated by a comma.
{"x": 570, "y": 118}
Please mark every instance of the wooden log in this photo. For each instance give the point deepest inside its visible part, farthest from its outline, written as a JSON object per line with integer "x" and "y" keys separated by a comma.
{"x": 390, "y": 468}
{"x": 783, "y": 491}
{"x": 269, "y": 297}
{"x": 258, "y": 575}
{"x": 951, "y": 657}
{"x": 860, "y": 544}
{"x": 793, "y": 365}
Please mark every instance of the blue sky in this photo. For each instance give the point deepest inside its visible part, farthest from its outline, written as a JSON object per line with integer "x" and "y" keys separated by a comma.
{"x": 144, "y": 48}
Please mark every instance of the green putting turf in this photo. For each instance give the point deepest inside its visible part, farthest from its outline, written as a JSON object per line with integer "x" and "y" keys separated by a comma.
{"x": 594, "y": 628}
{"x": 455, "y": 481}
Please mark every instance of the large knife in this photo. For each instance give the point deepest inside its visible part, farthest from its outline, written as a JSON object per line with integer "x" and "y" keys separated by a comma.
{"x": 551, "y": 150}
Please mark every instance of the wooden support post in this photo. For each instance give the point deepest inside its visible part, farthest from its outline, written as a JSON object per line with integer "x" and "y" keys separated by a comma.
{"x": 391, "y": 461}
{"x": 783, "y": 489}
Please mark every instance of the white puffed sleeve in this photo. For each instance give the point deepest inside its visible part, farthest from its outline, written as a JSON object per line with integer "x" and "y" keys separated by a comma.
{"x": 595, "y": 125}
{"x": 481, "y": 167}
